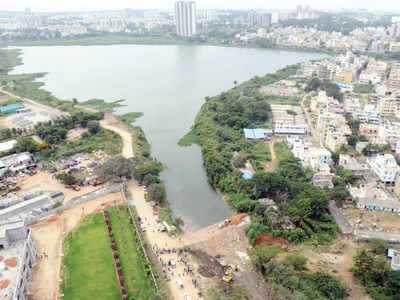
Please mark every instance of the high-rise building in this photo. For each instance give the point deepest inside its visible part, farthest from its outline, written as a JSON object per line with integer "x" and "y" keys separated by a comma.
{"x": 185, "y": 18}
{"x": 261, "y": 20}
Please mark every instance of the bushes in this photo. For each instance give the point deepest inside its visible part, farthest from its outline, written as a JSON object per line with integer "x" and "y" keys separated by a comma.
{"x": 297, "y": 261}
{"x": 260, "y": 255}
{"x": 375, "y": 274}
{"x": 157, "y": 192}
{"x": 66, "y": 179}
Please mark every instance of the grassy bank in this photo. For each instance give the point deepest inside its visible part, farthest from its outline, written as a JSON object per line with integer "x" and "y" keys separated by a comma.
{"x": 88, "y": 266}
{"x": 100, "y": 40}
{"x": 101, "y": 104}
{"x": 135, "y": 271}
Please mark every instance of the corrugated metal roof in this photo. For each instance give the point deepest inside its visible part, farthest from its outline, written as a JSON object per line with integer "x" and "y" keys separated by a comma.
{"x": 10, "y": 107}
{"x": 247, "y": 174}
{"x": 254, "y": 134}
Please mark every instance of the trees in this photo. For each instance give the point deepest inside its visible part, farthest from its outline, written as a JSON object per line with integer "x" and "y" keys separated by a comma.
{"x": 379, "y": 246}
{"x": 262, "y": 254}
{"x": 149, "y": 167}
{"x": 25, "y": 144}
{"x": 93, "y": 126}
{"x": 157, "y": 192}
{"x": 150, "y": 179}
{"x": 115, "y": 168}
{"x": 66, "y": 178}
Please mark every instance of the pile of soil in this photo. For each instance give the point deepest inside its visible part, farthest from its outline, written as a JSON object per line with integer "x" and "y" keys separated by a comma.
{"x": 52, "y": 219}
{"x": 11, "y": 262}
{"x": 236, "y": 220}
{"x": 209, "y": 266}
{"x": 4, "y": 284}
{"x": 265, "y": 239}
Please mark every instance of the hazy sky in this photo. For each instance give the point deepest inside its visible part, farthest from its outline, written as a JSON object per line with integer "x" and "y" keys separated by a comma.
{"x": 77, "y": 5}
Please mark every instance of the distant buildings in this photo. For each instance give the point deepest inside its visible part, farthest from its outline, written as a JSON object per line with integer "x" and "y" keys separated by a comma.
{"x": 262, "y": 20}
{"x": 185, "y": 18}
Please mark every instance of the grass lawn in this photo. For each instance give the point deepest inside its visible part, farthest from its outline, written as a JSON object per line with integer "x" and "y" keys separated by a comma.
{"x": 137, "y": 283}
{"x": 88, "y": 266}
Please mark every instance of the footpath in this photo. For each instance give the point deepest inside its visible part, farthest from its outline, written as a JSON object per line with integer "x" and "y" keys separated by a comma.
{"x": 160, "y": 242}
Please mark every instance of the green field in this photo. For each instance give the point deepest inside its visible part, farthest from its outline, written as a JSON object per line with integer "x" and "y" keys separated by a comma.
{"x": 88, "y": 266}
{"x": 133, "y": 264}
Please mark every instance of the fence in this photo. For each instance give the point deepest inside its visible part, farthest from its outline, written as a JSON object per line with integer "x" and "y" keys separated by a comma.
{"x": 75, "y": 201}
{"x": 139, "y": 234}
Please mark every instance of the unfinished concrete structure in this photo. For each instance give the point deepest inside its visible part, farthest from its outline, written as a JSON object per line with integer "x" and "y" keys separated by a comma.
{"x": 18, "y": 255}
{"x": 32, "y": 204}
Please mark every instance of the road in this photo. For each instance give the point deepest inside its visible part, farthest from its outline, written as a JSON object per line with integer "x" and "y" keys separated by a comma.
{"x": 32, "y": 102}
{"x": 314, "y": 132}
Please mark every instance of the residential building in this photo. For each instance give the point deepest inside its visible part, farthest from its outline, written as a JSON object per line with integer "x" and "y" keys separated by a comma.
{"x": 282, "y": 128}
{"x": 185, "y": 18}
{"x": 394, "y": 256}
{"x": 385, "y": 167}
{"x": 16, "y": 162}
{"x": 356, "y": 166}
{"x": 18, "y": 253}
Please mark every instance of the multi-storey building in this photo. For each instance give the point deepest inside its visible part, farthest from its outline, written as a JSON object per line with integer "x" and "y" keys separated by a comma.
{"x": 18, "y": 253}
{"x": 385, "y": 167}
{"x": 185, "y": 18}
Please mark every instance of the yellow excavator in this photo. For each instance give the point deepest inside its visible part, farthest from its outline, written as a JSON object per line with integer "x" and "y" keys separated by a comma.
{"x": 228, "y": 273}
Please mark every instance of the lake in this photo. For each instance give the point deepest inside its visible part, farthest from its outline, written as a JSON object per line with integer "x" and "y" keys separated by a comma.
{"x": 168, "y": 84}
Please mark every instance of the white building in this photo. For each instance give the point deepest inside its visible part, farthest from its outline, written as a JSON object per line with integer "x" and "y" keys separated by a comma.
{"x": 185, "y": 18}
{"x": 385, "y": 167}
{"x": 18, "y": 253}
{"x": 282, "y": 128}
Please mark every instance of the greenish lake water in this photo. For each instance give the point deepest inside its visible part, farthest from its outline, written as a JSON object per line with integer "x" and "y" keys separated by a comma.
{"x": 168, "y": 84}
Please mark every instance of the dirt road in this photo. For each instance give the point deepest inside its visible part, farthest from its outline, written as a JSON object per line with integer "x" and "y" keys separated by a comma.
{"x": 315, "y": 133}
{"x": 109, "y": 122}
{"x": 49, "y": 235}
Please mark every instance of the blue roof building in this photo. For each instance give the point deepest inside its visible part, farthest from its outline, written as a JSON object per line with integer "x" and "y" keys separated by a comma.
{"x": 247, "y": 174}
{"x": 254, "y": 134}
{"x": 9, "y": 109}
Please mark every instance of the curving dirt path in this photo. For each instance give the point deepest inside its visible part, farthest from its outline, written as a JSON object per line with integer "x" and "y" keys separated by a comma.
{"x": 109, "y": 122}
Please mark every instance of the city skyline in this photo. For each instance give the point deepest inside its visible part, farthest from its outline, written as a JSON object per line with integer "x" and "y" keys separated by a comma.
{"x": 79, "y": 5}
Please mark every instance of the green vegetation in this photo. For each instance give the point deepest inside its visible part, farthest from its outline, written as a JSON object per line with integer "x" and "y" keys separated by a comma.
{"x": 288, "y": 279}
{"x": 373, "y": 271}
{"x": 101, "y": 104}
{"x": 8, "y": 60}
{"x": 302, "y": 209}
{"x": 332, "y": 89}
{"x": 364, "y": 88}
{"x": 102, "y": 40}
{"x": 106, "y": 140}
{"x": 235, "y": 292}
{"x": 130, "y": 117}
{"x": 66, "y": 178}
{"x": 379, "y": 246}
{"x": 140, "y": 145}
{"x": 136, "y": 272}
{"x": 88, "y": 267}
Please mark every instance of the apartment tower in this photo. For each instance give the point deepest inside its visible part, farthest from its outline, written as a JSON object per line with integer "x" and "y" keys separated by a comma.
{"x": 185, "y": 18}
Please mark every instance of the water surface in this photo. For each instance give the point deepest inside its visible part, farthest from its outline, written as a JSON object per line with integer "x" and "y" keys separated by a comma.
{"x": 168, "y": 84}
